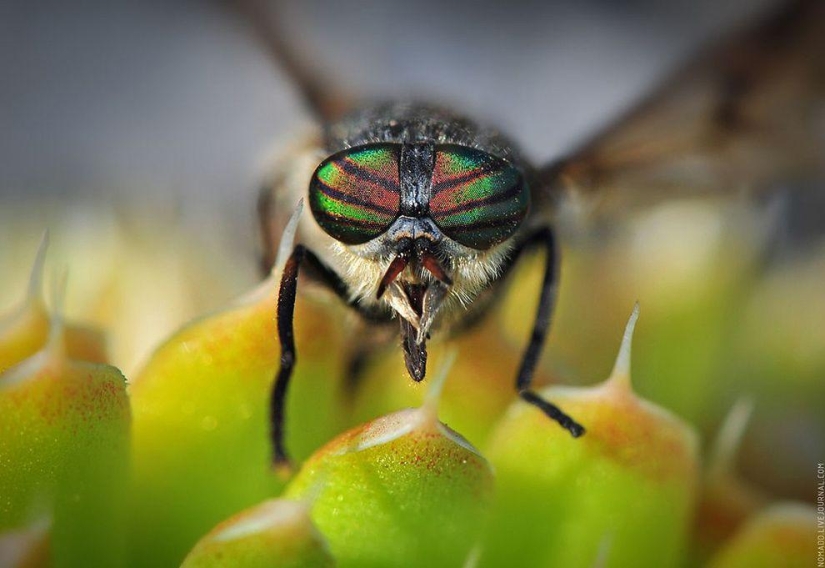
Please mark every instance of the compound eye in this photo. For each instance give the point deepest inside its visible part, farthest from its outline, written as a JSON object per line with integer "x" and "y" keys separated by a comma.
{"x": 478, "y": 200}
{"x": 355, "y": 195}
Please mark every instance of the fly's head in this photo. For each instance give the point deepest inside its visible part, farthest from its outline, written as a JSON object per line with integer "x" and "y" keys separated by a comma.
{"x": 422, "y": 226}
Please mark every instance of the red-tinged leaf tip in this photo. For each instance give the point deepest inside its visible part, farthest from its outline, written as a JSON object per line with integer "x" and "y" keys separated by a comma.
{"x": 403, "y": 488}
{"x": 391, "y": 493}
{"x": 636, "y": 456}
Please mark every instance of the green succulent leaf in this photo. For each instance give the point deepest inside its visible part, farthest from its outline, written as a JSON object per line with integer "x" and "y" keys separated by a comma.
{"x": 274, "y": 534}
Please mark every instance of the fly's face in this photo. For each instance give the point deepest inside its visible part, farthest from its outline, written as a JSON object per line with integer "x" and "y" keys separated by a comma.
{"x": 424, "y": 225}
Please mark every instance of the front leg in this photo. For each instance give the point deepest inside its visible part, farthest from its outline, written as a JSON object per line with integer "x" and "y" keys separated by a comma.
{"x": 301, "y": 256}
{"x": 286, "y": 337}
{"x": 543, "y": 237}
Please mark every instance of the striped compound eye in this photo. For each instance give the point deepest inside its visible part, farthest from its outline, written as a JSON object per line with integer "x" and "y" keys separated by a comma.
{"x": 355, "y": 195}
{"x": 477, "y": 199}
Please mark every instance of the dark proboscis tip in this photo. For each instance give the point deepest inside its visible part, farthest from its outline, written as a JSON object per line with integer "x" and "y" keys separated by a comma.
{"x": 415, "y": 354}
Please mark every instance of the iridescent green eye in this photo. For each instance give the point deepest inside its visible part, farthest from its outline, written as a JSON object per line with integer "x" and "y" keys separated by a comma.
{"x": 355, "y": 195}
{"x": 477, "y": 199}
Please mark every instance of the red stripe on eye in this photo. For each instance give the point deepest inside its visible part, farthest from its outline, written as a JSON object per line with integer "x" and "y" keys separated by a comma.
{"x": 478, "y": 199}
{"x": 385, "y": 177}
{"x": 369, "y": 174}
{"x": 442, "y": 181}
{"x": 359, "y": 201}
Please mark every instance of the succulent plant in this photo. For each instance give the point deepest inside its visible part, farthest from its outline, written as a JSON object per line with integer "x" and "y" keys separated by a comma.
{"x": 173, "y": 467}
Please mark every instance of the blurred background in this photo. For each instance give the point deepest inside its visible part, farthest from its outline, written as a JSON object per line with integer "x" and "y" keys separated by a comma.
{"x": 155, "y": 99}
{"x": 117, "y": 118}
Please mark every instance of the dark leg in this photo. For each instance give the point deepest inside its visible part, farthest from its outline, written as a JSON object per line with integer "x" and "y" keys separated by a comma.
{"x": 286, "y": 311}
{"x": 286, "y": 336}
{"x": 544, "y": 238}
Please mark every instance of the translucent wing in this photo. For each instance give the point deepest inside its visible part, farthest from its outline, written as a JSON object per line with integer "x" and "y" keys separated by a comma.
{"x": 746, "y": 114}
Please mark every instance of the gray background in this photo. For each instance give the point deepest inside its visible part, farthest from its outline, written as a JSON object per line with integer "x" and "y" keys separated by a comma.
{"x": 175, "y": 101}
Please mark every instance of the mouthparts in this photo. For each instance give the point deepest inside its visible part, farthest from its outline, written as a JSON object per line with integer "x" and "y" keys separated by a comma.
{"x": 417, "y": 303}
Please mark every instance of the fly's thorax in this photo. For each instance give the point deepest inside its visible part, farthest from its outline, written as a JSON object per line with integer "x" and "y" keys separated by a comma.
{"x": 409, "y": 122}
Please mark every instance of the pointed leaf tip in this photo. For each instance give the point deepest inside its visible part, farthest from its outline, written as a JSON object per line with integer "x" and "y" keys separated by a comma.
{"x": 288, "y": 237}
{"x": 621, "y": 369}
{"x": 429, "y": 410}
{"x": 729, "y": 438}
{"x": 36, "y": 279}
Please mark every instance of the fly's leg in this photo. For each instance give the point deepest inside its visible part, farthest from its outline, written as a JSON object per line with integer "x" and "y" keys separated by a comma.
{"x": 286, "y": 337}
{"x": 301, "y": 257}
{"x": 543, "y": 237}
